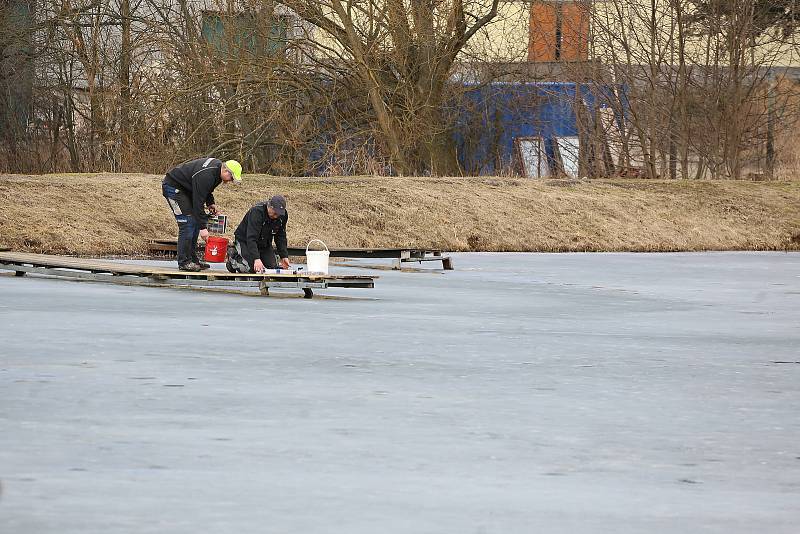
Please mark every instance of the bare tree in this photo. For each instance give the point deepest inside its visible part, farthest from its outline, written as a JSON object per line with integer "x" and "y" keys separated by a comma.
{"x": 693, "y": 78}
{"x": 403, "y": 53}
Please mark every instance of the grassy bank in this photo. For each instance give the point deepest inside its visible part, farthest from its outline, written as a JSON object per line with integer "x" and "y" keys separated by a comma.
{"x": 119, "y": 214}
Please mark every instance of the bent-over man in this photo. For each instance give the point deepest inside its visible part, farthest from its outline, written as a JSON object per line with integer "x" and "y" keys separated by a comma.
{"x": 252, "y": 250}
{"x": 189, "y": 188}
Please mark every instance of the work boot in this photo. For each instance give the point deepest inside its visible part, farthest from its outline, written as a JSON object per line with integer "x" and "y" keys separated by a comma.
{"x": 203, "y": 265}
{"x": 192, "y": 267}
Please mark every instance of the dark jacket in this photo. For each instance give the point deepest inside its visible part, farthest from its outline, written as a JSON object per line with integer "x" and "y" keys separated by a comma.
{"x": 257, "y": 230}
{"x": 198, "y": 178}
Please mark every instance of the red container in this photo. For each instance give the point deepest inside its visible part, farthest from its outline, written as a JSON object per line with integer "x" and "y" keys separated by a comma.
{"x": 216, "y": 249}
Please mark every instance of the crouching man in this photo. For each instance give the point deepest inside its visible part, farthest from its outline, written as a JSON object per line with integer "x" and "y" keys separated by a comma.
{"x": 252, "y": 250}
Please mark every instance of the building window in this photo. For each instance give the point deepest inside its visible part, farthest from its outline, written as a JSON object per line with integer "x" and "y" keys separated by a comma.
{"x": 244, "y": 33}
{"x": 559, "y": 31}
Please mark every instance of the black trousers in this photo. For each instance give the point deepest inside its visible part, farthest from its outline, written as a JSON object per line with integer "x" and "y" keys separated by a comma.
{"x": 188, "y": 230}
{"x": 237, "y": 263}
{"x": 268, "y": 257}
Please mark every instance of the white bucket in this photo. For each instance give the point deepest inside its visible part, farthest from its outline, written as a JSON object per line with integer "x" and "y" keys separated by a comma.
{"x": 317, "y": 260}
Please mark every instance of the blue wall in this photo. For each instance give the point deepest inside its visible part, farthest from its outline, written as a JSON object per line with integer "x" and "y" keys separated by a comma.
{"x": 491, "y": 116}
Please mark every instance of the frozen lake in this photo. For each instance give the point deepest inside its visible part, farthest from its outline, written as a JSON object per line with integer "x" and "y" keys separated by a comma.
{"x": 609, "y": 393}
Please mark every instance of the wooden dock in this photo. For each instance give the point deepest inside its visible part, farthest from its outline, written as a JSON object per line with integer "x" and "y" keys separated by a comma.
{"x": 399, "y": 255}
{"x": 130, "y": 274}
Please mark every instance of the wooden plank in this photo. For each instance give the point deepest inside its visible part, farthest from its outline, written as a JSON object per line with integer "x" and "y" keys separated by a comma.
{"x": 130, "y": 279}
{"x": 398, "y": 254}
{"x": 369, "y": 252}
{"x": 10, "y": 259}
{"x": 352, "y": 282}
{"x": 429, "y": 258}
{"x": 263, "y": 285}
{"x": 159, "y": 247}
{"x": 171, "y": 245}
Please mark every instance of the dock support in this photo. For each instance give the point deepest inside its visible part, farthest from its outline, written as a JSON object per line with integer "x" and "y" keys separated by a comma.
{"x": 405, "y": 255}
{"x": 447, "y": 263}
{"x": 308, "y": 293}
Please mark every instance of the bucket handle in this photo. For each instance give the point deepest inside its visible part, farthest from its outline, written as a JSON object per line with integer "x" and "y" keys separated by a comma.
{"x": 318, "y": 241}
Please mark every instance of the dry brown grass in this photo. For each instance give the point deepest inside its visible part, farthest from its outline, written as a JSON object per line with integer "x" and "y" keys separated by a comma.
{"x": 787, "y": 166}
{"x": 119, "y": 214}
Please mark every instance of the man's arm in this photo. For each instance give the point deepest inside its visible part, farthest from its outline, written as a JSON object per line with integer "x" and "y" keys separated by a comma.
{"x": 255, "y": 221}
{"x": 280, "y": 238}
{"x": 204, "y": 183}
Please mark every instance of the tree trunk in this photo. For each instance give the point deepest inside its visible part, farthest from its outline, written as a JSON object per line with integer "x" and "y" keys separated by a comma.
{"x": 125, "y": 85}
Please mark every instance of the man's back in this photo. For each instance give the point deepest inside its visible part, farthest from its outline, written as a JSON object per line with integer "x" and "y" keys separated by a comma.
{"x": 186, "y": 175}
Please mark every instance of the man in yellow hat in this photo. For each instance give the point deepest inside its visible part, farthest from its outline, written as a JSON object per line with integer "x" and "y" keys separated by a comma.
{"x": 189, "y": 188}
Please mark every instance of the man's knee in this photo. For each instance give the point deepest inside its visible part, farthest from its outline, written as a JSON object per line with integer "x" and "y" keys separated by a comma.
{"x": 236, "y": 262}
